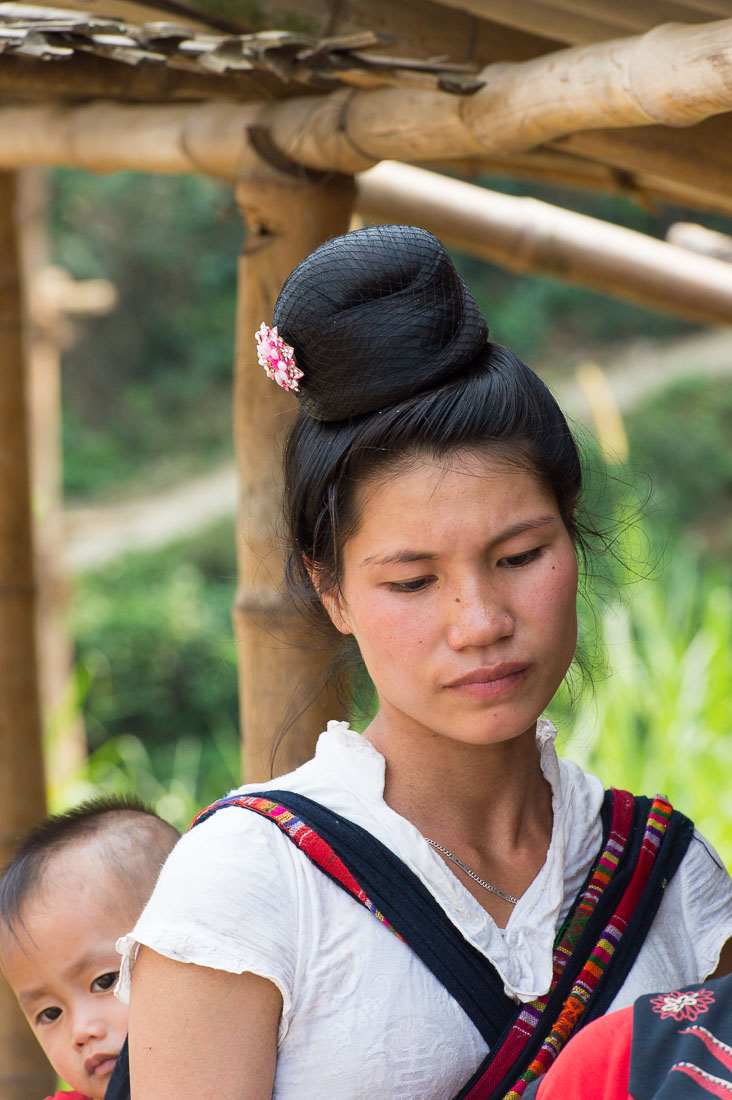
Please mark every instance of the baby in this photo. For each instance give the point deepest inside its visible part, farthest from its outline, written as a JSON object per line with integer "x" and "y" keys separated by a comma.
{"x": 77, "y": 883}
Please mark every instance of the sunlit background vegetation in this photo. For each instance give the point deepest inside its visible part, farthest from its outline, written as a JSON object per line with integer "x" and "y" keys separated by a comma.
{"x": 146, "y": 404}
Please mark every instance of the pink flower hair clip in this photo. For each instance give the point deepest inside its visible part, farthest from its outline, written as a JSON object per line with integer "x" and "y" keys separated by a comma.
{"x": 277, "y": 358}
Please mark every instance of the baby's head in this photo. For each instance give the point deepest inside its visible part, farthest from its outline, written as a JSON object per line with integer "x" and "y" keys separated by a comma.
{"x": 77, "y": 883}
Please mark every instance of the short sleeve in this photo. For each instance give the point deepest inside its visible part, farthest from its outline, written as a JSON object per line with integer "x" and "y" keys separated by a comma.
{"x": 703, "y": 888}
{"x": 226, "y": 898}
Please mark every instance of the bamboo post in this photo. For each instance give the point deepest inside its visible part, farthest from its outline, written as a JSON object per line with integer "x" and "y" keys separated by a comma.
{"x": 280, "y": 662}
{"x": 526, "y": 235}
{"x": 24, "y": 1071}
{"x": 65, "y": 739}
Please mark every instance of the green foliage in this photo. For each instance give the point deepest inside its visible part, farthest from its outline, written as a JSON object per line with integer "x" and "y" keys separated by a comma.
{"x": 150, "y": 383}
{"x": 659, "y": 718}
{"x": 683, "y": 437}
{"x": 155, "y": 645}
{"x": 177, "y": 782}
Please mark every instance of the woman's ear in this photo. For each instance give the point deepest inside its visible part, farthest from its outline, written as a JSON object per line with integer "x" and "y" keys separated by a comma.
{"x": 331, "y": 599}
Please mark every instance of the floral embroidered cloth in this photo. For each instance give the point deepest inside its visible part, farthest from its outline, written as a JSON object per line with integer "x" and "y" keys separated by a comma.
{"x": 671, "y": 1046}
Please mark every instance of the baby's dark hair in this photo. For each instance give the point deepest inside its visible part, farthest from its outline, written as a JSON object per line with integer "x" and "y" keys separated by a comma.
{"x": 135, "y": 840}
{"x": 397, "y": 366}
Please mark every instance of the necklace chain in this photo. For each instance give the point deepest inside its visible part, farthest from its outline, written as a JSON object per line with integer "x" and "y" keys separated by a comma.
{"x": 476, "y": 878}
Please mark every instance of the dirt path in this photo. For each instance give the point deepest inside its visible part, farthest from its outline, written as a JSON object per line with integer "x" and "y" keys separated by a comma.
{"x": 95, "y": 536}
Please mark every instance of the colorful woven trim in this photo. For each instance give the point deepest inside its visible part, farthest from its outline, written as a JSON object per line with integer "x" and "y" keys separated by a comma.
{"x": 528, "y": 1020}
{"x": 599, "y": 960}
{"x": 313, "y": 846}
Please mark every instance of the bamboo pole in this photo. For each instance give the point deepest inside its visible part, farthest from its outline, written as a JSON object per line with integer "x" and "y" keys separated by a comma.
{"x": 24, "y": 1071}
{"x": 526, "y": 235}
{"x": 698, "y": 159}
{"x": 280, "y": 661}
{"x": 693, "y": 182}
{"x": 673, "y": 75}
{"x": 697, "y": 238}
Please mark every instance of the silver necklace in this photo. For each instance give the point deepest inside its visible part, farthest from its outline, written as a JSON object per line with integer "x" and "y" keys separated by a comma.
{"x": 472, "y": 874}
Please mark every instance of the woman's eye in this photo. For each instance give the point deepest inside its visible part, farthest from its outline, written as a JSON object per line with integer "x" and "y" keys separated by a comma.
{"x": 516, "y": 561}
{"x": 48, "y": 1015}
{"x": 105, "y": 981}
{"x": 416, "y": 585}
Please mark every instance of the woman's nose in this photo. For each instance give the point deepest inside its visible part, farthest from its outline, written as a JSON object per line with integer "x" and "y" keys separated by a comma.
{"x": 478, "y": 618}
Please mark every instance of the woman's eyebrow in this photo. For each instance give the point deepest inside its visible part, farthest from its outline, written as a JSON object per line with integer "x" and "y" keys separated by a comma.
{"x": 519, "y": 528}
{"x": 402, "y": 557}
{"x": 399, "y": 557}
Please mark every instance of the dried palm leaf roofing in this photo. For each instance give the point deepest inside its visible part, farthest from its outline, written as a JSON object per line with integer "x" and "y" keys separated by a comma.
{"x": 276, "y": 62}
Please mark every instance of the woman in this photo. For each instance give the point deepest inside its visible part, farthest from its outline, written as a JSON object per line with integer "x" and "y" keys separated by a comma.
{"x": 431, "y": 493}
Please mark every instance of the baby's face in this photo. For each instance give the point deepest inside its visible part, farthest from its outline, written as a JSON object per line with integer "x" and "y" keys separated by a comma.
{"x": 62, "y": 966}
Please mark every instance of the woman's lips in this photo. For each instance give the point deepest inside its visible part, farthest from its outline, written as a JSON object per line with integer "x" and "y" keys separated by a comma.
{"x": 485, "y": 683}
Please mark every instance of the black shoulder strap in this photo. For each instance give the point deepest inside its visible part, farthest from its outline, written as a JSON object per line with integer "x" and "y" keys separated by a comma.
{"x": 602, "y": 946}
{"x": 395, "y": 893}
{"x": 119, "y": 1083}
{"x": 367, "y": 869}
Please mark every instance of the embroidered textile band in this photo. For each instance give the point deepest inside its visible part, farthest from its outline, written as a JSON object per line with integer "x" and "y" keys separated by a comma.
{"x": 601, "y": 957}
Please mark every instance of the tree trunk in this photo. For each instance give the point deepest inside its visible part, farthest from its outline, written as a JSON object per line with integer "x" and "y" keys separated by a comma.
{"x": 24, "y": 1071}
{"x": 281, "y": 662}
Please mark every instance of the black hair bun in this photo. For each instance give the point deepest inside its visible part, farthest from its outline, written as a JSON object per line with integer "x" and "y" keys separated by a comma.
{"x": 375, "y": 316}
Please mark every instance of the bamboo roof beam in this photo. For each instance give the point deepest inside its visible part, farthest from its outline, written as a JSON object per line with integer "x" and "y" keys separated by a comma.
{"x": 550, "y": 166}
{"x": 526, "y": 235}
{"x": 670, "y": 76}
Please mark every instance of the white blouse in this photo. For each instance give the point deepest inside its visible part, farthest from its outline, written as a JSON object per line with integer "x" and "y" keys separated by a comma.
{"x": 362, "y": 1016}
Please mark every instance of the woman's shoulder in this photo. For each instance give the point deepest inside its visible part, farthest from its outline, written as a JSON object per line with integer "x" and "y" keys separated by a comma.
{"x": 228, "y": 898}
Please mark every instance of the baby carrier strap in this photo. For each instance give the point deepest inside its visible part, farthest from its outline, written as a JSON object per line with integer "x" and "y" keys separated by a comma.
{"x": 371, "y": 873}
{"x": 643, "y": 844}
{"x": 597, "y": 944}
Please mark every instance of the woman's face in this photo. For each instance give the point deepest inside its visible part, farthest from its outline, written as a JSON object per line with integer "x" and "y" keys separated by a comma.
{"x": 460, "y": 588}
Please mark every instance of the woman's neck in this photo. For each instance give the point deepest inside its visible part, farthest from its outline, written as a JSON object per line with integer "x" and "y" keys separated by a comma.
{"x": 485, "y": 797}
